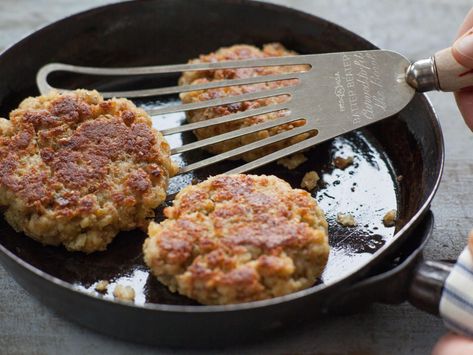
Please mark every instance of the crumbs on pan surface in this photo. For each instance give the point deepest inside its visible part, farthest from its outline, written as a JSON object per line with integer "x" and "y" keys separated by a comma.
{"x": 389, "y": 218}
{"x": 342, "y": 163}
{"x": 124, "y": 293}
{"x": 102, "y": 286}
{"x": 309, "y": 181}
{"x": 346, "y": 220}
{"x": 293, "y": 161}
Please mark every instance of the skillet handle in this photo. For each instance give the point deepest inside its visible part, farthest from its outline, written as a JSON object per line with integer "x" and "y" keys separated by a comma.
{"x": 425, "y": 290}
{"x": 446, "y": 290}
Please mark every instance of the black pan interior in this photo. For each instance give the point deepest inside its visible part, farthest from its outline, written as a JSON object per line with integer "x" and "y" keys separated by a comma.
{"x": 131, "y": 35}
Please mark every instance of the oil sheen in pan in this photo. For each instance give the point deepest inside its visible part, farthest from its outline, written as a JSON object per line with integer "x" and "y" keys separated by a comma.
{"x": 367, "y": 190}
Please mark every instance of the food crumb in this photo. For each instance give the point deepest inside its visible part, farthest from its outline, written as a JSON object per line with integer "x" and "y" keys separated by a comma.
{"x": 399, "y": 178}
{"x": 309, "y": 181}
{"x": 346, "y": 220}
{"x": 342, "y": 163}
{"x": 293, "y": 161}
{"x": 101, "y": 286}
{"x": 389, "y": 218}
{"x": 124, "y": 293}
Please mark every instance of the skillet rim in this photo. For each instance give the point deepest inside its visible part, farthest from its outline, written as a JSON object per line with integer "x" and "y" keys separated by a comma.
{"x": 255, "y": 304}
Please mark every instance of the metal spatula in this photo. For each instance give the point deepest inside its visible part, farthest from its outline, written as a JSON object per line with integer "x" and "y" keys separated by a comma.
{"x": 339, "y": 92}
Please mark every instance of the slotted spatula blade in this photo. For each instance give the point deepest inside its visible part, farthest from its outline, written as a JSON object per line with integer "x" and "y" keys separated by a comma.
{"x": 347, "y": 91}
{"x": 338, "y": 93}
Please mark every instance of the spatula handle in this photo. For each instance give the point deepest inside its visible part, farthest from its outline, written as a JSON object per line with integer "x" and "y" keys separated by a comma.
{"x": 439, "y": 72}
{"x": 452, "y": 76}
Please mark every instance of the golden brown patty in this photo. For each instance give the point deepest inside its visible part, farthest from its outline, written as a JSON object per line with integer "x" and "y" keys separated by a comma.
{"x": 76, "y": 170}
{"x": 238, "y": 238}
{"x": 234, "y": 53}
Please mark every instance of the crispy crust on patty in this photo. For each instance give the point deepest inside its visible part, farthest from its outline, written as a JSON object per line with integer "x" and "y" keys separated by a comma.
{"x": 238, "y": 238}
{"x": 76, "y": 169}
{"x": 233, "y": 53}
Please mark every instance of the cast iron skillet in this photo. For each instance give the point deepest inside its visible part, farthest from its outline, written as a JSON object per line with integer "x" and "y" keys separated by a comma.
{"x": 398, "y": 163}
